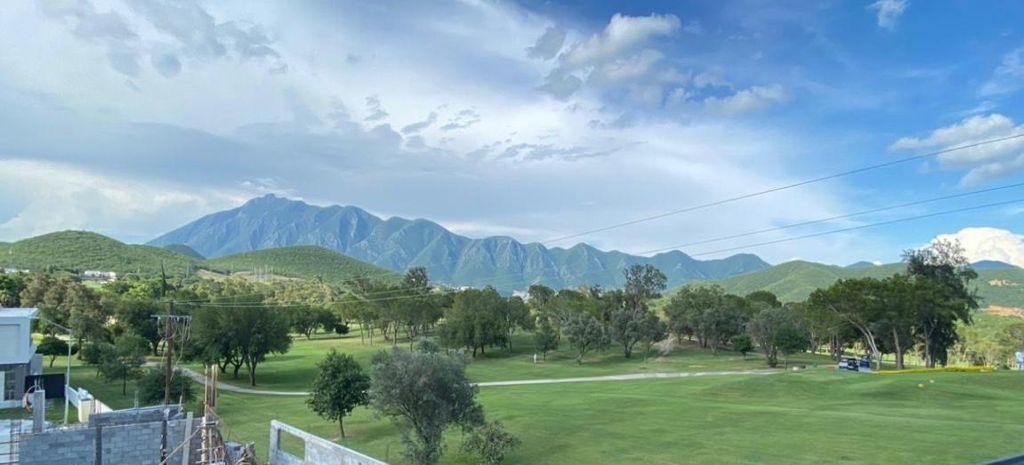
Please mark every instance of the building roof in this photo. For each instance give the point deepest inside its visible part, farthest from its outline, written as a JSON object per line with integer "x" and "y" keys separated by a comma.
{"x": 18, "y": 312}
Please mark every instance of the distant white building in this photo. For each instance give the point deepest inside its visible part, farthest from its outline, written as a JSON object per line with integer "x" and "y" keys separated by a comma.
{"x": 18, "y": 357}
{"x": 15, "y": 270}
{"x": 99, "y": 276}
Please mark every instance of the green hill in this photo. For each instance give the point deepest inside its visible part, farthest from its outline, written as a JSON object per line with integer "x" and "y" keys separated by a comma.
{"x": 82, "y": 250}
{"x": 77, "y": 251}
{"x": 794, "y": 281}
{"x": 185, "y": 250}
{"x": 306, "y": 262}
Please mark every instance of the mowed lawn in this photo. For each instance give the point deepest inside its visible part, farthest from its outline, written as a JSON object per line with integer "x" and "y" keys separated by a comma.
{"x": 815, "y": 416}
{"x": 295, "y": 370}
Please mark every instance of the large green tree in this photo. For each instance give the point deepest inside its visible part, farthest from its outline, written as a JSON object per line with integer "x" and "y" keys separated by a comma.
{"x": 425, "y": 394}
{"x": 339, "y": 387}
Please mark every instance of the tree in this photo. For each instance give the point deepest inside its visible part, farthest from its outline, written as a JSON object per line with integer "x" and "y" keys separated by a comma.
{"x": 790, "y": 340}
{"x": 858, "y": 302}
{"x": 490, "y": 442}
{"x": 151, "y": 386}
{"x": 628, "y": 328}
{"x": 942, "y": 275}
{"x": 424, "y": 394}
{"x": 545, "y": 339}
{"x": 742, "y": 343}
{"x": 53, "y": 347}
{"x": 259, "y": 332}
{"x": 340, "y": 386}
{"x": 242, "y": 335}
{"x": 123, "y": 360}
{"x": 585, "y": 333}
{"x": 643, "y": 283}
{"x": 765, "y": 327}
{"x": 11, "y": 285}
{"x": 475, "y": 320}
{"x": 136, "y": 315}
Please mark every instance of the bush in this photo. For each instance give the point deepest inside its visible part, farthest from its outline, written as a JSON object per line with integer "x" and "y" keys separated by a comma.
{"x": 151, "y": 387}
{"x": 341, "y": 329}
{"x": 490, "y": 442}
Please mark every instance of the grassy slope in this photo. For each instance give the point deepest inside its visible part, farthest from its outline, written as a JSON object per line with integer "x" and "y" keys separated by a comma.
{"x": 794, "y": 281}
{"x": 82, "y": 250}
{"x": 789, "y": 418}
{"x": 303, "y": 262}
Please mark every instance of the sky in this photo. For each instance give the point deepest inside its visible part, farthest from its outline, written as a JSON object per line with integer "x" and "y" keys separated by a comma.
{"x": 532, "y": 119}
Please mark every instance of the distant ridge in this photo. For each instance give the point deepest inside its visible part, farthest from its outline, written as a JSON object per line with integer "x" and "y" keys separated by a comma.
{"x": 794, "y": 281}
{"x": 398, "y": 244}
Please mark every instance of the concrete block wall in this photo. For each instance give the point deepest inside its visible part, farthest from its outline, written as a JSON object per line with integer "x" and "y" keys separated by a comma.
{"x": 119, "y": 443}
{"x": 131, "y": 444}
{"x": 70, "y": 447}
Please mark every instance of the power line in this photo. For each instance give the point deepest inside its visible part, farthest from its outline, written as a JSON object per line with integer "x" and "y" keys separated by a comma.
{"x": 864, "y": 226}
{"x": 780, "y": 188}
{"x": 832, "y": 218}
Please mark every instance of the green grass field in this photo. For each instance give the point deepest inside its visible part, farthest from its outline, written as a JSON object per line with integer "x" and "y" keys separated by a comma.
{"x": 294, "y": 371}
{"x": 815, "y": 416}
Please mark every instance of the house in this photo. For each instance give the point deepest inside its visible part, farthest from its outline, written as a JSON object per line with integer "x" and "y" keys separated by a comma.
{"x": 18, "y": 357}
{"x": 101, "y": 277}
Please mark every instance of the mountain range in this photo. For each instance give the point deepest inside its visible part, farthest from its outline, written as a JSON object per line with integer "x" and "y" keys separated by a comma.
{"x": 398, "y": 244}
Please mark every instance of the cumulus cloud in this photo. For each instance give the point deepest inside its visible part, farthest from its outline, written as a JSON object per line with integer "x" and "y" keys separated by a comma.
{"x": 1008, "y": 77}
{"x": 985, "y": 162}
{"x": 989, "y": 244}
{"x": 548, "y": 45}
{"x": 888, "y": 12}
{"x": 748, "y": 100}
{"x": 612, "y": 55}
{"x": 622, "y": 34}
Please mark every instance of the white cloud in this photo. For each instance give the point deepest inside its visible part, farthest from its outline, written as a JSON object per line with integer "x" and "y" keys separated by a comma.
{"x": 91, "y": 201}
{"x": 889, "y": 11}
{"x": 985, "y": 162}
{"x": 747, "y": 100}
{"x": 989, "y": 244}
{"x": 622, "y": 35}
{"x": 548, "y": 45}
{"x": 1008, "y": 77}
{"x": 616, "y": 54}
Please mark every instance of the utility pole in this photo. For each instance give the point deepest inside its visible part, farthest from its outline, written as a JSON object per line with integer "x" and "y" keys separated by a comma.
{"x": 169, "y": 353}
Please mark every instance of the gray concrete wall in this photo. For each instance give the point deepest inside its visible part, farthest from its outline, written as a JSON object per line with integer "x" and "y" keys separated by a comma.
{"x": 72, "y": 447}
{"x": 318, "y": 451}
{"x": 119, "y": 442}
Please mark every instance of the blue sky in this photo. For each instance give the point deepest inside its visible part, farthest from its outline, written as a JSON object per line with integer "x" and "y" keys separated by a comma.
{"x": 531, "y": 119}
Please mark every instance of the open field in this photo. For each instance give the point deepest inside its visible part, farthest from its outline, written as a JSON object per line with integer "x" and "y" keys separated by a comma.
{"x": 799, "y": 417}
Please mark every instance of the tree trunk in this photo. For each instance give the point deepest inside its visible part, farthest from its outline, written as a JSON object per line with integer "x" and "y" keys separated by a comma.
{"x": 899, "y": 349}
{"x": 252, "y": 373}
{"x": 341, "y": 424}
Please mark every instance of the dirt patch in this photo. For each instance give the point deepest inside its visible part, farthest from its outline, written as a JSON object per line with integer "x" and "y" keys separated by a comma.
{"x": 1005, "y": 311}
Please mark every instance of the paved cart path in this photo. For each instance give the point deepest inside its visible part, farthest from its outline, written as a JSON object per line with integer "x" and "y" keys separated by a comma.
{"x": 200, "y": 378}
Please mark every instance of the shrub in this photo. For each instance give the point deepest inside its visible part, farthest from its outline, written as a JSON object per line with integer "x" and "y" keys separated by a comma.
{"x": 490, "y": 442}
{"x": 151, "y": 387}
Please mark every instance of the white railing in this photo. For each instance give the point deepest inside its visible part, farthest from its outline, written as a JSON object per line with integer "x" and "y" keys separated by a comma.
{"x": 85, "y": 403}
